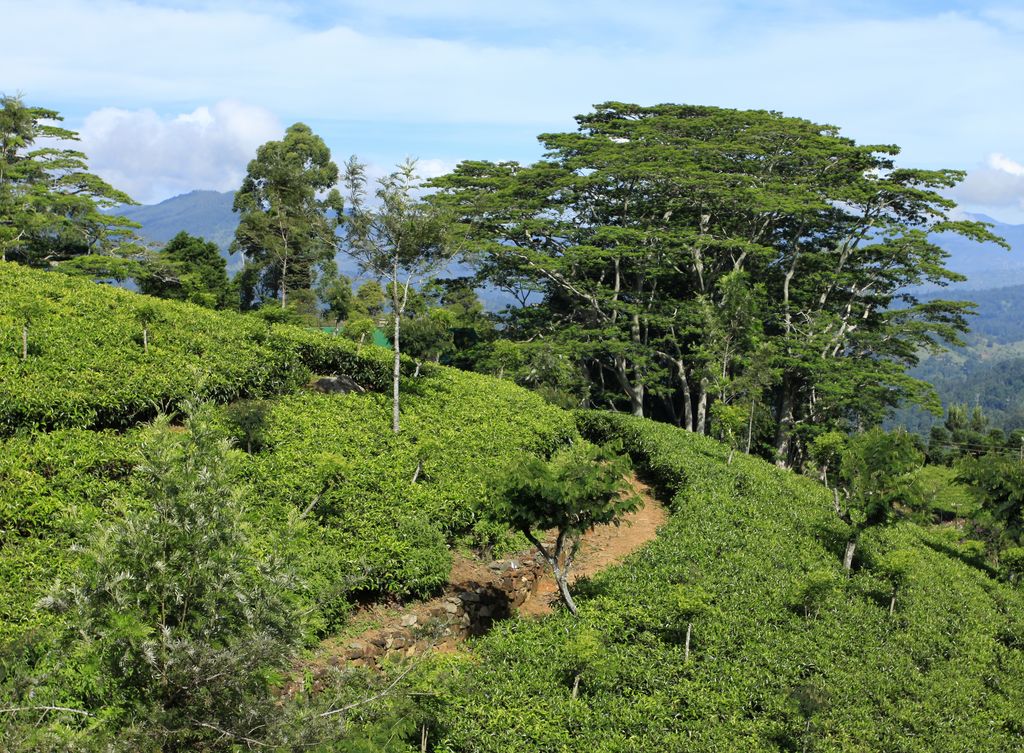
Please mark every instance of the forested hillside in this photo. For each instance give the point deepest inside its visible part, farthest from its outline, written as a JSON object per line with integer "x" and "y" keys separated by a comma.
{"x": 988, "y": 370}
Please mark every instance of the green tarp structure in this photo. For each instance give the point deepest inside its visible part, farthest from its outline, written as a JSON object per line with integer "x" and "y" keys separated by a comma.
{"x": 379, "y": 338}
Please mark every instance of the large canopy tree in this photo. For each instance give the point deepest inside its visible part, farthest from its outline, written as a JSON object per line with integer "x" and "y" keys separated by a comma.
{"x": 289, "y": 211}
{"x": 679, "y": 247}
{"x": 50, "y": 205}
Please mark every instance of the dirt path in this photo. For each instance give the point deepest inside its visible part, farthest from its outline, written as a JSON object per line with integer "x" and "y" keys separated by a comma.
{"x": 427, "y": 625}
{"x": 603, "y": 547}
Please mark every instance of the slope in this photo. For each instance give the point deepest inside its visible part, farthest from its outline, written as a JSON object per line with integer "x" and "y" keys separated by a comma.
{"x": 785, "y": 654}
{"x": 356, "y": 510}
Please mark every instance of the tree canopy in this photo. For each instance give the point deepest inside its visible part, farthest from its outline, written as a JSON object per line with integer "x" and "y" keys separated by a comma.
{"x": 187, "y": 269}
{"x": 288, "y": 211}
{"x": 50, "y": 205}
{"x": 688, "y": 255}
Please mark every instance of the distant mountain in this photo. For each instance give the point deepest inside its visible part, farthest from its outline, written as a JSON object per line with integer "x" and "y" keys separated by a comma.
{"x": 208, "y": 214}
{"x": 986, "y": 265}
{"x": 988, "y": 371}
{"x": 203, "y": 213}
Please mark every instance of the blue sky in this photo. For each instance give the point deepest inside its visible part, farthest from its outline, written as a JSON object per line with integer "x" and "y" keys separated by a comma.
{"x": 174, "y": 95}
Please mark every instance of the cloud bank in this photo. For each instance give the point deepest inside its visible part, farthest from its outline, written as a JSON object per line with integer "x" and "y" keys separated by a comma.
{"x": 152, "y": 157}
{"x": 998, "y": 185}
{"x": 459, "y": 79}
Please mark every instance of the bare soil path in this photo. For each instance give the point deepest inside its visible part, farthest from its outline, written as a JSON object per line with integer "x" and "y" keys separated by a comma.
{"x": 409, "y": 628}
{"x": 604, "y": 547}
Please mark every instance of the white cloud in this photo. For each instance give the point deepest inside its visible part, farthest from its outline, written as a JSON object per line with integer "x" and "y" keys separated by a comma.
{"x": 1005, "y": 164}
{"x": 998, "y": 185}
{"x": 367, "y": 74}
{"x": 152, "y": 157}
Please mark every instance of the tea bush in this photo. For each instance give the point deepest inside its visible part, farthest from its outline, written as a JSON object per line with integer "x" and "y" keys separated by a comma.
{"x": 334, "y": 460}
{"x": 332, "y": 487}
{"x": 88, "y": 367}
{"x": 788, "y": 653}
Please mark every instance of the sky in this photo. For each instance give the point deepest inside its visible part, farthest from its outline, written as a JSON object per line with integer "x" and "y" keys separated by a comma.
{"x": 175, "y": 95}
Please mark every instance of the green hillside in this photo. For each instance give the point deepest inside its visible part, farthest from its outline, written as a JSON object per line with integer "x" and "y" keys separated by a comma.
{"x": 87, "y": 383}
{"x": 736, "y": 629}
{"x": 786, "y": 653}
{"x": 987, "y": 371}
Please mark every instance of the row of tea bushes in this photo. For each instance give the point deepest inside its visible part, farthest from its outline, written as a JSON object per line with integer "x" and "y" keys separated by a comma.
{"x": 77, "y": 354}
{"x": 331, "y": 487}
{"x": 786, "y": 653}
{"x": 386, "y": 506}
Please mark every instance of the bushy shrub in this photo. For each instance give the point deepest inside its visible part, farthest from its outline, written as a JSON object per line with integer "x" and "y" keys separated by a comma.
{"x": 174, "y": 618}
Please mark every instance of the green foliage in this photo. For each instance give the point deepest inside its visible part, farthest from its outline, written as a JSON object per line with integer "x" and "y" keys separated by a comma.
{"x": 176, "y": 618}
{"x": 579, "y": 488}
{"x": 945, "y": 673}
{"x": 997, "y": 482}
{"x": 54, "y": 489}
{"x": 87, "y": 366}
{"x": 942, "y": 495}
{"x": 286, "y": 229}
{"x": 187, "y": 269}
{"x": 878, "y": 472}
{"x": 815, "y": 589}
{"x": 50, "y": 206}
{"x": 1011, "y": 561}
{"x": 366, "y": 525}
{"x": 335, "y": 290}
{"x": 688, "y": 254}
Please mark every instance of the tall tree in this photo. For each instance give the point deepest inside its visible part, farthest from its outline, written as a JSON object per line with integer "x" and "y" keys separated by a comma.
{"x": 632, "y": 226}
{"x": 188, "y": 268}
{"x": 403, "y": 240}
{"x": 50, "y": 205}
{"x": 289, "y": 212}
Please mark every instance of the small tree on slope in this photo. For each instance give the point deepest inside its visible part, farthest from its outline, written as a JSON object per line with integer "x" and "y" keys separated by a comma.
{"x": 402, "y": 240}
{"x": 877, "y": 470}
{"x": 581, "y": 487}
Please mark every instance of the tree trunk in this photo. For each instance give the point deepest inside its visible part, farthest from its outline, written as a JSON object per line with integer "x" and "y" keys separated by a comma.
{"x": 145, "y": 339}
{"x": 784, "y": 430}
{"x": 576, "y": 686}
{"x": 561, "y": 578}
{"x": 687, "y": 397}
{"x": 701, "y": 420}
{"x": 24, "y": 343}
{"x": 395, "y": 375}
{"x": 892, "y": 604}
{"x": 284, "y": 283}
{"x": 750, "y": 425}
{"x": 689, "y": 632}
{"x": 851, "y": 547}
{"x": 636, "y": 400}
{"x": 634, "y": 390}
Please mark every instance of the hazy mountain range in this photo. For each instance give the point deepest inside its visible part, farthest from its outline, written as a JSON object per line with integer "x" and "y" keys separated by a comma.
{"x": 208, "y": 214}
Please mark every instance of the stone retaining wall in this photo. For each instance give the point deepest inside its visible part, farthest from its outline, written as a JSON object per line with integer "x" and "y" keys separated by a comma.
{"x": 468, "y": 609}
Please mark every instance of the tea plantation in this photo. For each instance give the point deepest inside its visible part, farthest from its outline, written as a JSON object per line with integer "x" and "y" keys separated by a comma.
{"x": 786, "y": 654}
{"x": 330, "y": 487}
{"x": 735, "y": 630}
